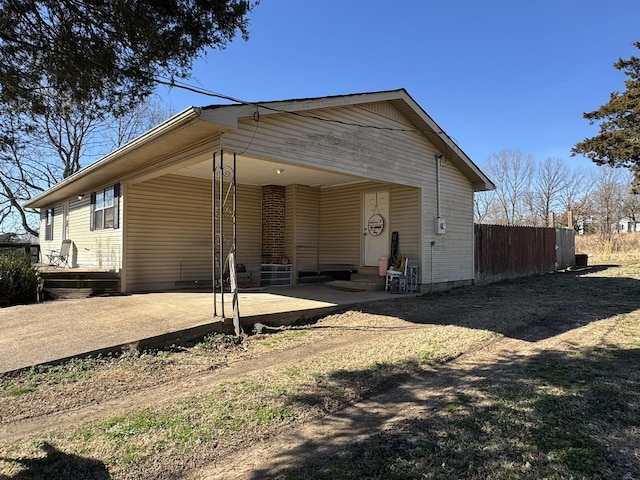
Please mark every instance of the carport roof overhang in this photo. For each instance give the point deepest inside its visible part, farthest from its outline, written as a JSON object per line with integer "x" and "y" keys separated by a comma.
{"x": 200, "y": 127}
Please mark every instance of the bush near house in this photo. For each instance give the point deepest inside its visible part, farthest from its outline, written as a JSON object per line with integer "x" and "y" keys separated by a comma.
{"x": 18, "y": 280}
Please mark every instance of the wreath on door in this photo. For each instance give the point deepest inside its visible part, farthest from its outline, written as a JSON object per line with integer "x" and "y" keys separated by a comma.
{"x": 375, "y": 225}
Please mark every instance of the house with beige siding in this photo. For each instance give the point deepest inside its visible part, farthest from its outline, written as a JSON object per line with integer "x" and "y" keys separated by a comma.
{"x": 291, "y": 187}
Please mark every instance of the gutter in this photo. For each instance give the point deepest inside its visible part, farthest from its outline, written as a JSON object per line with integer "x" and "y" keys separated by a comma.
{"x": 178, "y": 121}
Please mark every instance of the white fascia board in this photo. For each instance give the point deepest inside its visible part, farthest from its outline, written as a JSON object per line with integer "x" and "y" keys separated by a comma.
{"x": 228, "y": 115}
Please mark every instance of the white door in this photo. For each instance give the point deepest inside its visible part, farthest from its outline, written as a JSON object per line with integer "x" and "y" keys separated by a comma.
{"x": 375, "y": 227}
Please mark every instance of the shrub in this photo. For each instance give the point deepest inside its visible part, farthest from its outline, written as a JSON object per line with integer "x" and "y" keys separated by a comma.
{"x": 18, "y": 280}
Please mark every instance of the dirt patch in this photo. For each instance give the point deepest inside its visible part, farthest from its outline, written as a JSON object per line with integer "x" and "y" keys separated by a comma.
{"x": 376, "y": 379}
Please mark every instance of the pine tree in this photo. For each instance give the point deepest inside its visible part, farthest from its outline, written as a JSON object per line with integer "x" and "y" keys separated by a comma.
{"x": 618, "y": 142}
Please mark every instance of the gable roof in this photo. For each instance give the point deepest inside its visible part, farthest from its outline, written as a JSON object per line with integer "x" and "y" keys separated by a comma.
{"x": 196, "y": 125}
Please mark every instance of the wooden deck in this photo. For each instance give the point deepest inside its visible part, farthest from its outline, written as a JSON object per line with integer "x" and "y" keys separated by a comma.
{"x": 77, "y": 282}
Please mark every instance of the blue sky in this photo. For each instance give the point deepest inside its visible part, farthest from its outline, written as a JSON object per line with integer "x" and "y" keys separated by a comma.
{"x": 494, "y": 74}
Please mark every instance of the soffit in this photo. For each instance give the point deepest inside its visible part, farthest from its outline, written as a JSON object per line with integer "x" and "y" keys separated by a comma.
{"x": 254, "y": 171}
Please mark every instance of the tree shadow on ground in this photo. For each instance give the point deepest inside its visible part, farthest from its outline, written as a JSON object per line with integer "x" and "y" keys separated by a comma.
{"x": 530, "y": 309}
{"x": 58, "y": 465}
{"x": 550, "y": 415}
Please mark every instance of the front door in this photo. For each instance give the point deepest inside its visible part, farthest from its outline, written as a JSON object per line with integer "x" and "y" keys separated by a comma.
{"x": 375, "y": 226}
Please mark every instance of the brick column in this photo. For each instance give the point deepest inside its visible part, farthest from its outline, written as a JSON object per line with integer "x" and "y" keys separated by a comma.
{"x": 273, "y": 203}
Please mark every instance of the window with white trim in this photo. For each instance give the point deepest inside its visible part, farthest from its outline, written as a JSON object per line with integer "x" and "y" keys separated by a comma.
{"x": 48, "y": 229}
{"x": 105, "y": 208}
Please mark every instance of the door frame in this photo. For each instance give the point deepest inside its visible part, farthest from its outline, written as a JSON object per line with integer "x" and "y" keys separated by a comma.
{"x": 363, "y": 226}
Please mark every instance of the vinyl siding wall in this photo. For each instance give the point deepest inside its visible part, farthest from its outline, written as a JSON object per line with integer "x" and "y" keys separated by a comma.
{"x": 249, "y": 229}
{"x": 371, "y": 153}
{"x": 99, "y": 249}
{"x": 54, "y": 244}
{"x": 302, "y": 214}
{"x": 169, "y": 232}
{"x": 341, "y": 221}
{"x": 453, "y": 252}
{"x": 324, "y": 226}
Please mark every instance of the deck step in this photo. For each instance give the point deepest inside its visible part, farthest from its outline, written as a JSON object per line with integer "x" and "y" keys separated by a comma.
{"x": 315, "y": 279}
{"x": 376, "y": 280}
{"x": 60, "y": 282}
{"x": 356, "y": 285}
{"x": 68, "y": 273}
{"x": 68, "y": 293}
{"x": 97, "y": 285}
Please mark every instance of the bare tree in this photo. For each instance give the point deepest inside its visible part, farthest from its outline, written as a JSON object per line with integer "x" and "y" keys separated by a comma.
{"x": 484, "y": 206}
{"x": 527, "y": 193}
{"x": 630, "y": 207}
{"x": 20, "y": 177}
{"x": 512, "y": 172}
{"x": 574, "y": 198}
{"x": 549, "y": 183}
{"x": 46, "y": 150}
{"x": 39, "y": 150}
{"x": 528, "y": 214}
{"x": 144, "y": 117}
{"x": 607, "y": 199}
{"x": 67, "y": 134}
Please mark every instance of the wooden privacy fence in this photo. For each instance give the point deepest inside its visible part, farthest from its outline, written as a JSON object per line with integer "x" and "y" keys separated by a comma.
{"x": 508, "y": 252}
{"x": 565, "y": 248}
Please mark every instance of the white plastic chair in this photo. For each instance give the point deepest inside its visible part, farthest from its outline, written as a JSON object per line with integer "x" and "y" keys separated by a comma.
{"x": 397, "y": 276}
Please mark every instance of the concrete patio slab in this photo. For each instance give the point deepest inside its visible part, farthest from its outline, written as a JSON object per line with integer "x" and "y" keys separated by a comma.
{"x": 53, "y": 331}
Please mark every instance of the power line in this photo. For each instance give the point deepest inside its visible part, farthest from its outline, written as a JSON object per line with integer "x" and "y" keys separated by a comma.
{"x": 202, "y": 91}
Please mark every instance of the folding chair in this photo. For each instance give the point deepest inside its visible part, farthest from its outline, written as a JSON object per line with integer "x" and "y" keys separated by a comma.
{"x": 60, "y": 257}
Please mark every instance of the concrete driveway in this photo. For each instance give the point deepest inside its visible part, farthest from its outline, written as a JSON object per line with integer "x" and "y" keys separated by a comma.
{"x": 56, "y": 330}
